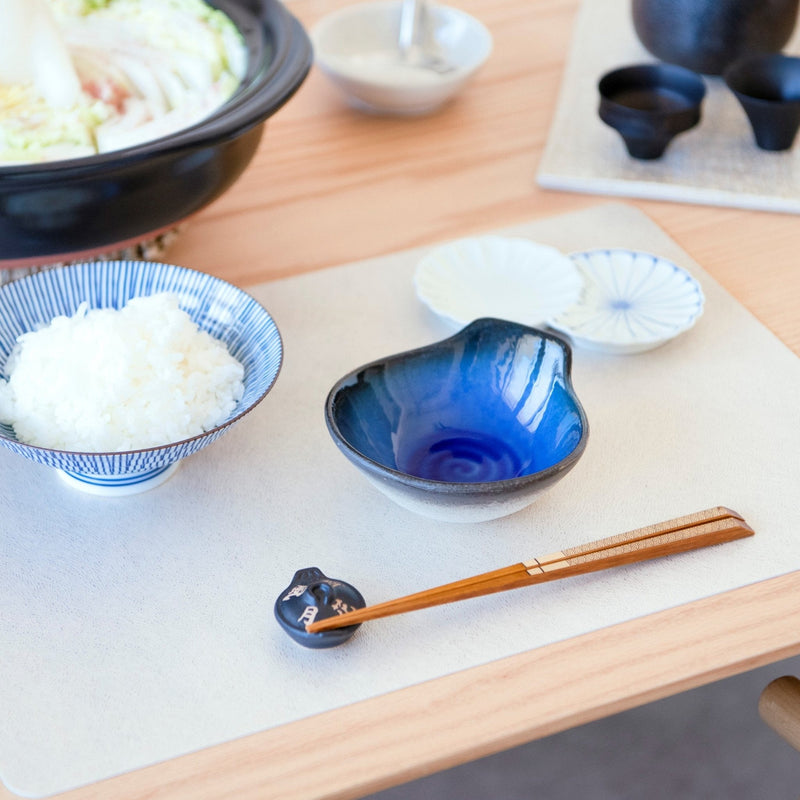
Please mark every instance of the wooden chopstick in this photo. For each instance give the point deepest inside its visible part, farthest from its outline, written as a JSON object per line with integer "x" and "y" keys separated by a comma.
{"x": 700, "y": 529}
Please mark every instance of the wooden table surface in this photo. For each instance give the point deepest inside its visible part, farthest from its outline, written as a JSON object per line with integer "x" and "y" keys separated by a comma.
{"x": 331, "y": 186}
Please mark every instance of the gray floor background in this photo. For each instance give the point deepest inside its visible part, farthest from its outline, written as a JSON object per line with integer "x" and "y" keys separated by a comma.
{"x": 705, "y": 744}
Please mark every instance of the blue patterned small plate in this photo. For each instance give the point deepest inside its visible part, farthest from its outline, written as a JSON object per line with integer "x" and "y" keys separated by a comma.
{"x": 221, "y": 309}
{"x": 631, "y": 302}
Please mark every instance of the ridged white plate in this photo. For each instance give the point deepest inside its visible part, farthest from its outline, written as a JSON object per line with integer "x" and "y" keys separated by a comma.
{"x": 632, "y": 302}
{"x": 495, "y": 276}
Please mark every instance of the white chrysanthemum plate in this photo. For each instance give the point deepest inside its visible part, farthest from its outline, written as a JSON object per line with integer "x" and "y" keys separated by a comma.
{"x": 631, "y": 302}
{"x": 507, "y": 278}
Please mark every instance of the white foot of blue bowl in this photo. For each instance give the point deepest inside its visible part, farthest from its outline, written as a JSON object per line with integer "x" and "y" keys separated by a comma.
{"x": 119, "y": 485}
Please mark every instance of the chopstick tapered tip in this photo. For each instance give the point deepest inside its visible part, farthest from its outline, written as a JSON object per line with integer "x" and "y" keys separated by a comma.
{"x": 331, "y": 623}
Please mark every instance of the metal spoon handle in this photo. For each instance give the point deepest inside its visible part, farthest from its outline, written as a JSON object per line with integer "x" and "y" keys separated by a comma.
{"x": 410, "y": 15}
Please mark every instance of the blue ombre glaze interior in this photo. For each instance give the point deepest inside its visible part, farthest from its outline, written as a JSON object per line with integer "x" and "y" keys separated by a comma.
{"x": 492, "y": 403}
{"x": 225, "y": 311}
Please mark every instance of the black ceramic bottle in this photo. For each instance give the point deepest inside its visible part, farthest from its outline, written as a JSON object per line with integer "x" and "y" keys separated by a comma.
{"x": 708, "y": 35}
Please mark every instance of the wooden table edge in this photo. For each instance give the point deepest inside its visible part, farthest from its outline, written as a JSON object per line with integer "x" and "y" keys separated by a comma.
{"x": 376, "y": 743}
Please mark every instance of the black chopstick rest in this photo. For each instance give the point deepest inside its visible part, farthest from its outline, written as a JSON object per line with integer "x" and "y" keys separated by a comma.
{"x": 312, "y": 596}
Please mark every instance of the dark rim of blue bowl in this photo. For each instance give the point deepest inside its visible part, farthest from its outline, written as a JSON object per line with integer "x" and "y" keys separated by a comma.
{"x": 180, "y": 442}
{"x": 279, "y": 58}
{"x": 453, "y": 487}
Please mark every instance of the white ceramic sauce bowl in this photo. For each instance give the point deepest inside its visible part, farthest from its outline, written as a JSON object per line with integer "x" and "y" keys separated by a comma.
{"x": 357, "y": 49}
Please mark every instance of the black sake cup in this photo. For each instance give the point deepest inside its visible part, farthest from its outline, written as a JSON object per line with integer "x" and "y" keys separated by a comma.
{"x": 768, "y": 88}
{"x": 650, "y": 104}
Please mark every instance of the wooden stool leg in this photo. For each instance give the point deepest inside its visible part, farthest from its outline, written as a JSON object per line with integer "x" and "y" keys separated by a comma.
{"x": 779, "y": 707}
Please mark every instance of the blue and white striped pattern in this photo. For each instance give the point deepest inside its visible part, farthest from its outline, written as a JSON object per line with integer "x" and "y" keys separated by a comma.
{"x": 632, "y": 301}
{"x": 220, "y": 308}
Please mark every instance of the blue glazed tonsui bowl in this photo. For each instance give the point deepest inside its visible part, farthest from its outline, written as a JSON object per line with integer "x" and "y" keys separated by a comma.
{"x": 223, "y": 310}
{"x": 469, "y": 429}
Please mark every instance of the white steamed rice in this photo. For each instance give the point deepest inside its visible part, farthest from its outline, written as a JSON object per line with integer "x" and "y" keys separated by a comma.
{"x": 108, "y": 380}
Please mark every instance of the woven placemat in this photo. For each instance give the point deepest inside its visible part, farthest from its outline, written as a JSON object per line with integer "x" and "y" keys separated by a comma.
{"x": 715, "y": 163}
{"x": 151, "y": 248}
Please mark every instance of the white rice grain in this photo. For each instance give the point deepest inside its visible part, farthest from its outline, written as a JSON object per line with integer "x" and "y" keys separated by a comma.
{"x": 108, "y": 380}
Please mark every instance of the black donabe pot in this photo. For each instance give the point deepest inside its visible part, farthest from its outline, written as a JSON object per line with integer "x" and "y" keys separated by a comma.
{"x": 68, "y": 209}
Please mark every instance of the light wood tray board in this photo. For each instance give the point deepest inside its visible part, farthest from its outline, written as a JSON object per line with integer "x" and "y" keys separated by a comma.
{"x": 136, "y": 629}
